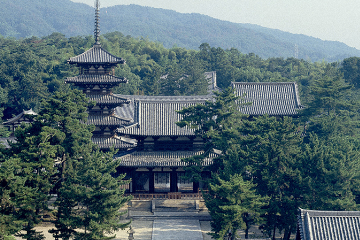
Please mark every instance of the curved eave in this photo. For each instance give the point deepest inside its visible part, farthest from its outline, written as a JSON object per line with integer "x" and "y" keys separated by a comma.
{"x": 108, "y": 121}
{"x": 107, "y": 143}
{"x": 95, "y": 79}
{"x": 96, "y": 55}
{"x": 160, "y": 159}
{"x": 19, "y": 116}
{"x": 108, "y": 99}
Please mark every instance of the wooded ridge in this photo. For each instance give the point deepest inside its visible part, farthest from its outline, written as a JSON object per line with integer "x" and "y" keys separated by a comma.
{"x": 40, "y": 18}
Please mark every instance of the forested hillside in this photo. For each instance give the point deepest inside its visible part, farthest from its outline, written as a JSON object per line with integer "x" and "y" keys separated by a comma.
{"x": 40, "y": 18}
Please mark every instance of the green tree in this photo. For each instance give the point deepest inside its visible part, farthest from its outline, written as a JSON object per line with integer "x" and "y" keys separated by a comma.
{"x": 350, "y": 68}
{"x": 232, "y": 201}
{"x": 233, "y": 204}
{"x": 273, "y": 165}
{"x": 56, "y": 134}
{"x": 11, "y": 186}
{"x": 90, "y": 198}
{"x": 330, "y": 172}
{"x": 332, "y": 110}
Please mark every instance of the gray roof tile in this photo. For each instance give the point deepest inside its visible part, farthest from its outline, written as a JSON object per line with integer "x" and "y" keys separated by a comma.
{"x": 112, "y": 120}
{"x": 94, "y": 55}
{"x": 329, "y": 225}
{"x": 117, "y": 143}
{"x": 20, "y": 116}
{"x": 95, "y": 78}
{"x": 5, "y": 141}
{"x": 108, "y": 99}
{"x": 269, "y": 98}
{"x": 157, "y": 116}
{"x": 160, "y": 159}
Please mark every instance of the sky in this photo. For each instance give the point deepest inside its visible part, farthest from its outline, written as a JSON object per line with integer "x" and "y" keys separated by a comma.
{"x": 332, "y": 20}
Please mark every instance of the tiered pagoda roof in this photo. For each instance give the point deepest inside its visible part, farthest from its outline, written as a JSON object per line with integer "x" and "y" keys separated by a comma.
{"x": 109, "y": 100}
{"x": 96, "y": 55}
{"x": 95, "y": 78}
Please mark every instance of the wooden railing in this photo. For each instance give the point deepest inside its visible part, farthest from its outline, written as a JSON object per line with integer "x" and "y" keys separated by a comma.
{"x": 170, "y": 195}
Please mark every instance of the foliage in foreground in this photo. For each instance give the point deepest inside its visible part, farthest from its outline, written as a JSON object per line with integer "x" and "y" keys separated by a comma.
{"x": 55, "y": 152}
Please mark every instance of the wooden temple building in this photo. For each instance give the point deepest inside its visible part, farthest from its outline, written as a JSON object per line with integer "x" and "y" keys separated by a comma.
{"x": 143, "y": 128}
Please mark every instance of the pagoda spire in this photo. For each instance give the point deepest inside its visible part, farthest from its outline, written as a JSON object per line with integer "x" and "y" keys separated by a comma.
{"x": 97, "y": 23}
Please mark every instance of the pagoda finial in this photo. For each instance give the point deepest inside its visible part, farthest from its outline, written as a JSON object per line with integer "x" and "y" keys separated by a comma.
{"x": 97, "y": 23}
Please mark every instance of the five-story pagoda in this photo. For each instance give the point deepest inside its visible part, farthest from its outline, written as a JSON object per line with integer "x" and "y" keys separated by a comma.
{"x": 96, "y": 79}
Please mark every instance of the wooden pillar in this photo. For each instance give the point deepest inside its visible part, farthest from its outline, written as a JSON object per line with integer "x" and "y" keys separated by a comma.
{"x": 195, "y": 187}
{"x": 133, "y": 173}
{"x": 173, "y": 181}
{"x": 151, "y": 181}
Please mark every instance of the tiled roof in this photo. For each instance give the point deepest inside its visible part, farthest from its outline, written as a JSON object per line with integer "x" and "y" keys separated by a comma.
{"x": 95, "y": 78}
{"x": 108, "y": 99}
{"x": 117, "y": 143}
{"x": 94, "y": 55}
{"x": 156, "y": 116}
{"x": 5, "y": 141}
{"x": 159, "y": 159}
{"x": 269, "y": 98}
{"x": 112, "y": 120}
{"x": 19, "y": 116}
{"x": 329, "y": 225}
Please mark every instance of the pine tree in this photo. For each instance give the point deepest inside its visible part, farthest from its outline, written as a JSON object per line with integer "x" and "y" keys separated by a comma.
{"x": 10, "y": 186}
{"x": 330, "y": 172}
{"x": 273, "y": 162}
{"x": 233, "y": 204}
{"x": 90, "y": 198}
{"x": 55, "y": 135}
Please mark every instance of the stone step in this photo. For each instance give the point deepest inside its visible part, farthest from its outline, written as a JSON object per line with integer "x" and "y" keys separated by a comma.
{"x": 175, "y": 209}
{"x": 202, "y": 216}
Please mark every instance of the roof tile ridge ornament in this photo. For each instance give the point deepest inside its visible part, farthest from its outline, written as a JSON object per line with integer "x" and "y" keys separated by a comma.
{"x": 97, "y": 24}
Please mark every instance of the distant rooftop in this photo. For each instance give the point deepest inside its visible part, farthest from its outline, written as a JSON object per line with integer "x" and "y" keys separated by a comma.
{"x": 20, "y": 117}
{"x": 272, "y": 98}
{"x": 328, "y": 225}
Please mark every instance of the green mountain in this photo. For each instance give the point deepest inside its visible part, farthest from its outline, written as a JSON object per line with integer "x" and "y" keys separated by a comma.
{"x": 21, "y": 19}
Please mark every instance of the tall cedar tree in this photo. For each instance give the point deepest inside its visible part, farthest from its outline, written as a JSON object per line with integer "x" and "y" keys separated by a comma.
{"x": 273, "y": 166}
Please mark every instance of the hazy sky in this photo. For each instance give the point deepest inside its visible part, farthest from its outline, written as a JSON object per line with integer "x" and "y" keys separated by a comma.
{"x": 325, "y": 19}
